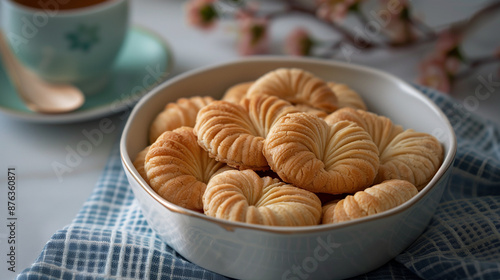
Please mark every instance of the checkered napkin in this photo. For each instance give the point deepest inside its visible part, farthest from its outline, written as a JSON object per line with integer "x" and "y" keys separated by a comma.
{"x": 110, "y": 239}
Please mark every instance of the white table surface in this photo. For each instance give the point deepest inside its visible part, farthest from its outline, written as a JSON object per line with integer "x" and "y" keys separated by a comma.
{"x": 46, "y": 204}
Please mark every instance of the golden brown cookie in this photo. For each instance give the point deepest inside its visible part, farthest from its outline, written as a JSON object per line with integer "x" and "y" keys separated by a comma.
{"x": 234, "y": 133}
{"x": 177, "y": 114}
{"x": 373, "y": 200}
{"x": 308, "y": 153}
{"x": 381, "y": 129}
{"x": 307, "y": 109}
{"x": 178, "y": 169}
{"x": 244, "y": 196}
{"x": 347, "y": 97}
{"x": 413, "y": 156}
{"x": 237, "y": 92}
{"x": 139, "y": 162}
{"x": 296, "y": 86}
{"x": 404, "y": 154}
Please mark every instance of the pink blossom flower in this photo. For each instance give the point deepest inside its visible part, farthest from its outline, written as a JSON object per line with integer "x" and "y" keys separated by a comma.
{"x": 399, "y": 31}
{"x": 452, "y": 64}
{"x": 339, "y": 12}
{"x": 433, "y": 73}
{"x": 335, "y": 10}
{"x": 254, "y": 37}
{"x": 398, "y": 28}
{"x": 201, "y": 13}
{"x": 299, "y": 42}
{"x": 444, "y": 63}
{"x": 447, "y": 41}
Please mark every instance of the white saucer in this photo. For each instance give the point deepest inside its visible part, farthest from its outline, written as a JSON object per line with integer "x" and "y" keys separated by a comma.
{"x": 144, "y": 62}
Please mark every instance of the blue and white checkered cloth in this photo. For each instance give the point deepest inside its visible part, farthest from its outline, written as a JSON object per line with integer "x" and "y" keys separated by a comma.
{"x": 110, "y": 239}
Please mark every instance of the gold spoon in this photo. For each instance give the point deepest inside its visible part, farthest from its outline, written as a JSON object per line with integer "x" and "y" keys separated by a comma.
{"x": 39, "y": 95}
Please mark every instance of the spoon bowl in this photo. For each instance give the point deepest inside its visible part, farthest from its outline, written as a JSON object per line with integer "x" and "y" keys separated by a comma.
{"x": 39, "y": 95}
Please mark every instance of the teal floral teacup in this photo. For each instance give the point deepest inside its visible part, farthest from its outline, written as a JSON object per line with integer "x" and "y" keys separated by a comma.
{"x": 67, "y": 41}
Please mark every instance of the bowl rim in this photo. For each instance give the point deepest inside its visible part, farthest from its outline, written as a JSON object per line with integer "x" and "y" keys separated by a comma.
{"x": 449, "y": 155}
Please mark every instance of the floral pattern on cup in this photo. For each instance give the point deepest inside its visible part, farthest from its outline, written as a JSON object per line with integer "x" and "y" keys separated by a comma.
{"x": 83, "y": 38}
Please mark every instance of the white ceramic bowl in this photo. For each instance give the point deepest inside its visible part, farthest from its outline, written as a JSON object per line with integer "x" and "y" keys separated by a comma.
{"x": 247, "y": 251}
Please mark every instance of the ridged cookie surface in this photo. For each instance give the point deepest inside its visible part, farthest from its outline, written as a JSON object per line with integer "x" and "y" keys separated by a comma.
{"x": 140, "y": 161}
{"x": 373, "y": 200}
{"x": 347, "y": 97}
{"x": 404, "y": 154}
{"x": 177, "y": 114}
{"x": 237, "y": 92}
{"x": 296, "y": 86}
{"x": 308, "y": 153}
{"x": 235, "y": 133}
{"x": 178, "y": 169}
{"x": 244, "y": 196}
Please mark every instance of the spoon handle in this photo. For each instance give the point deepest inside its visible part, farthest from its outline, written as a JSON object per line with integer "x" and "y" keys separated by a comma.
{"x": 39, "y": 95}
{"x": 12, "y": 66}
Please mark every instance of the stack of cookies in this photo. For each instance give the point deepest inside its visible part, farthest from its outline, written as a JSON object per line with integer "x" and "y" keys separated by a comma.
{"x": 287, "y": 149}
